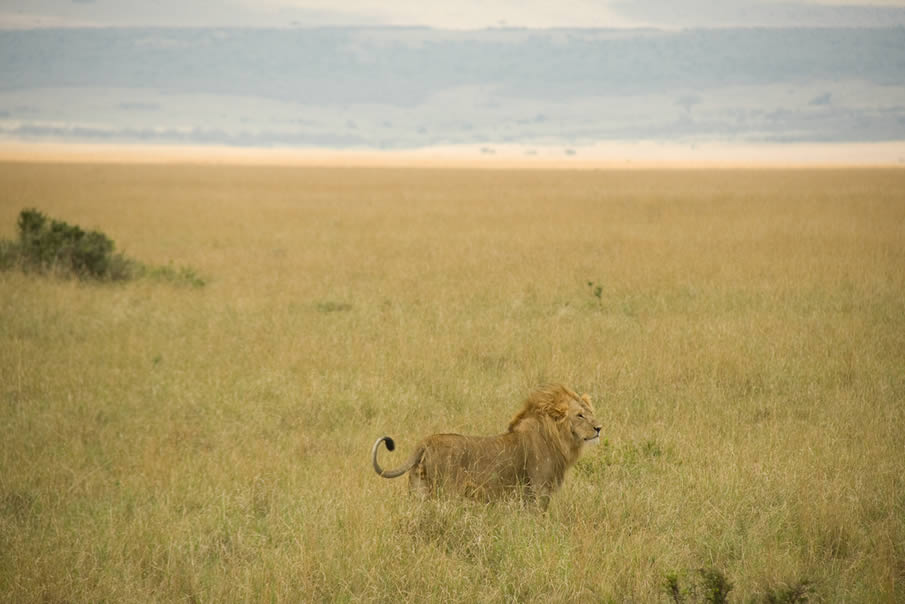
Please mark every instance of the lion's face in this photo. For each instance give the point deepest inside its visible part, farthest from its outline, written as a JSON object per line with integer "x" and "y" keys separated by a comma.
{"x": 584, "y": 426}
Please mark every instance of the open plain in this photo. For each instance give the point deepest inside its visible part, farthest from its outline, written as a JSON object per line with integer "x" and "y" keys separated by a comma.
{"x": 741, "y": 332}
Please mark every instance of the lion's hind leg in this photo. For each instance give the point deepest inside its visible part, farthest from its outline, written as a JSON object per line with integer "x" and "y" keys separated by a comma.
{"x": 419, "y": 485}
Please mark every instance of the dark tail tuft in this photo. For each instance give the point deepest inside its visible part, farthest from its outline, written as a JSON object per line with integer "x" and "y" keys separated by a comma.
{"x": 389, "y": 443}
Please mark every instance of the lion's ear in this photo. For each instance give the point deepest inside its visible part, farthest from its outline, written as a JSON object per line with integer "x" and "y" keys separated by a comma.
{"x": 586, "y": 398}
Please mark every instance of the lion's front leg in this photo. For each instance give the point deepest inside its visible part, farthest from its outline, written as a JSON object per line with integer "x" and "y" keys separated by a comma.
{"x": 540, "y": 489}
{"x": 539, "y": 497}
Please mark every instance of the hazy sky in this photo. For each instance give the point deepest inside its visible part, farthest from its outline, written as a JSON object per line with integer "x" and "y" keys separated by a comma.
{"x": 462, "y": 14}
{"x": 260, "y": 73}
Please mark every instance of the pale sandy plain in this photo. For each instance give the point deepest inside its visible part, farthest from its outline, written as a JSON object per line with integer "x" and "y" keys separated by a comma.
{"x": 610, "y": 155}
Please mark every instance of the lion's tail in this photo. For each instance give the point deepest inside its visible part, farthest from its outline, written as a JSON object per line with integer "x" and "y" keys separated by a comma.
{"x": 408, "y": 465}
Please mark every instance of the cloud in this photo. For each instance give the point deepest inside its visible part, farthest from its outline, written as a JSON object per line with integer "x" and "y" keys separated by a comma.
{"x": 466, "y": 14}
{"x": 753, "y": 13}
{"x": 442, "y": 14}
{"x": 479, "y": 14}
{"x": 821, "y": 99}
{"x": 171, "y": 13}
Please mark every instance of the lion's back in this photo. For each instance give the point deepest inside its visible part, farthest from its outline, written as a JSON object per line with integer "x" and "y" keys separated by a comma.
{"x": 471, "y": 464}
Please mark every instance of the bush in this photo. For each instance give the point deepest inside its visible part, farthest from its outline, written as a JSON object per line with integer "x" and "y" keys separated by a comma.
{"x": 54, "y": 245}
{"x": 9, "y": 254}
{"x": 708, "y": 585}
{"x": 47, "y": 245}
{"x": 184, "y": 275}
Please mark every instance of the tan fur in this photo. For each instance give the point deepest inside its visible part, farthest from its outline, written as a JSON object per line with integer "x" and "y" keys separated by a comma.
{"x": 544, "y": 439}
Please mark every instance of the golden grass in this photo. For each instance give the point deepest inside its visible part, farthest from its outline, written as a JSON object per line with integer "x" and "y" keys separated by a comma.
{"x": 745, "y": 356}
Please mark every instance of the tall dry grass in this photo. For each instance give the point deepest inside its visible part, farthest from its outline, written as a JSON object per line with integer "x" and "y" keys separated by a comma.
{"x": 745, "y": 351}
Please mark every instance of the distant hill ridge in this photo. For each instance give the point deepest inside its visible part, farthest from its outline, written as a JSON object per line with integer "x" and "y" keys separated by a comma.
{"x": 390, "y": 87}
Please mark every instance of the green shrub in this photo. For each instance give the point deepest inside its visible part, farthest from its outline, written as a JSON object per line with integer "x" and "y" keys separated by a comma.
{"x": 10, "y": 256}
{"x": 716, "y": 586}
{"x": 331, "y": 306}
{"x": 47, "y": 245}
{"x": 597, "y": 291}
{"x": 184, "y": 275}
{"x": 794, "y": 593}
{"x": 54, "y": 245}
{"x": 706, "y": 586}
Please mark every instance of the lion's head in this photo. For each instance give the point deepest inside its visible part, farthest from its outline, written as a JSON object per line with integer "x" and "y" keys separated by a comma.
{"x": 565, "y": 418}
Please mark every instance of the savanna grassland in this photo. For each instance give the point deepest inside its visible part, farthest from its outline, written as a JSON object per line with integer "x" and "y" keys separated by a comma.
{"x": 742, "y": 336}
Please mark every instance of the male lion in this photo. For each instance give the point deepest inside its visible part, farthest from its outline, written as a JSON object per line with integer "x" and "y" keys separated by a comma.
{"x": 531, "y": 458}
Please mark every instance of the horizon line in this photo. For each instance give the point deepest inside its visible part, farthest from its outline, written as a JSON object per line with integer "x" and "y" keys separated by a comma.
{"x": 613, "y": 155}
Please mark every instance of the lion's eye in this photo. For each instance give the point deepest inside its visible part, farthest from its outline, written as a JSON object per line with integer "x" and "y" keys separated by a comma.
{"x": 581, "y": 415}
